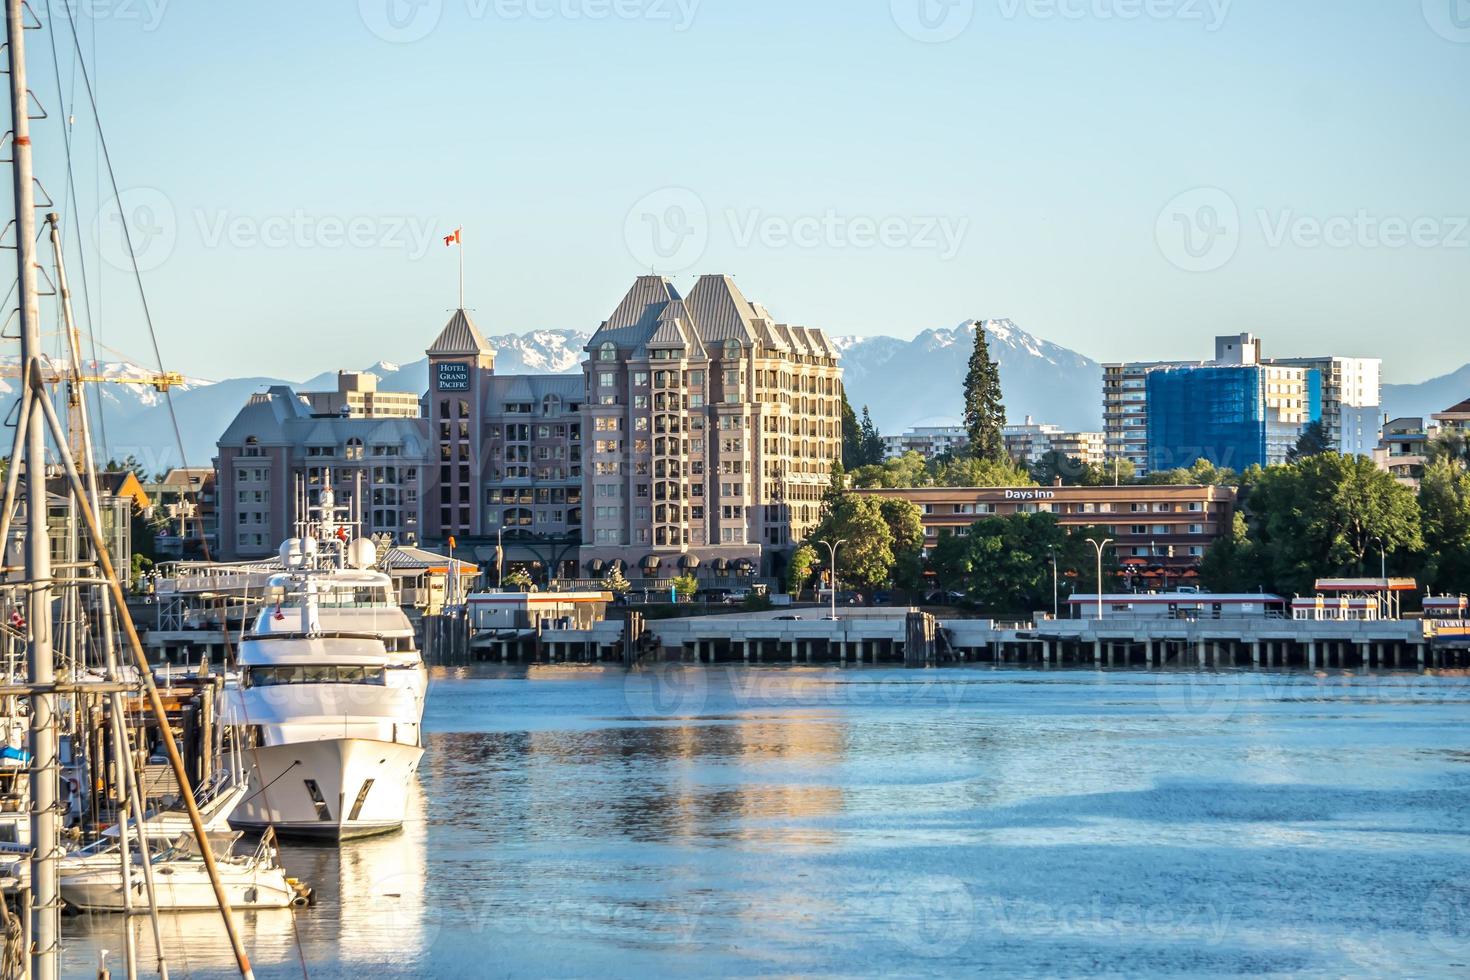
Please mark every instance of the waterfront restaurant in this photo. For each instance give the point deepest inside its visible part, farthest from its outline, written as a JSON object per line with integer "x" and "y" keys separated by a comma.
{"x": 1161, "y": 532}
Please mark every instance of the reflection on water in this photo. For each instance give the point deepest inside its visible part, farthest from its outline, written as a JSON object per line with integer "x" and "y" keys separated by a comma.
{"x": 580, "y": 821}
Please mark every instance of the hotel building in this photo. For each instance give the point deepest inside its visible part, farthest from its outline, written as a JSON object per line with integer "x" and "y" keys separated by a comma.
{"x": 506, "y": 452}
{"x": 1169, "y": 527}
{"x": 711, "y": 432}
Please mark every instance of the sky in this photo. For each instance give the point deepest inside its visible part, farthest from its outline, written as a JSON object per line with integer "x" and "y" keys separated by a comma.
{"x": 1126, "y": 178}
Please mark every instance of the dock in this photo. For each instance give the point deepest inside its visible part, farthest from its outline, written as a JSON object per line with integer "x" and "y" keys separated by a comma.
{"x": 913, "y": 637}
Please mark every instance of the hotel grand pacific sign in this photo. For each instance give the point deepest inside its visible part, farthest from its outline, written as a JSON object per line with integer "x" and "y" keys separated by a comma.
{"x": 451, "y": 376}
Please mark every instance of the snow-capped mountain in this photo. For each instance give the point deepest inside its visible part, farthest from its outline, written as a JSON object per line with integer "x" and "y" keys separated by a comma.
{"x": 921, "y": 381}
{"x": 903, "y": 382}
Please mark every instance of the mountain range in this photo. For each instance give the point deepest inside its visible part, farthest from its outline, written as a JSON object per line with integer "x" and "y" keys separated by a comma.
{"x": 902, "y": 383}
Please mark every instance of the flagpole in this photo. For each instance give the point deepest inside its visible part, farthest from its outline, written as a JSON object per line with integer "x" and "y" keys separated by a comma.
{"x": 459, "y": 240}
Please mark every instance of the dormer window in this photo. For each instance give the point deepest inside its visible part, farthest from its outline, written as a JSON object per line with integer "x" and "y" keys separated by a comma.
{"x": 732, "y": 350}
{"x": 607, "y": 352}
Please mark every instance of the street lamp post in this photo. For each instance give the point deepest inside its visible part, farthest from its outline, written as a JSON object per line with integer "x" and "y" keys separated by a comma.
{"x": 1382, "y": 558}
{"x": 500, "y": 558}
{"x": 831, "y": 547}
{"x": 1055, "y": 589}
{"x": 1098, "y": 547}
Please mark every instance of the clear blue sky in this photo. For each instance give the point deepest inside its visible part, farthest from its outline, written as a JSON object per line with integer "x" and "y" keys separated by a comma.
{"x": 852, "y": 170}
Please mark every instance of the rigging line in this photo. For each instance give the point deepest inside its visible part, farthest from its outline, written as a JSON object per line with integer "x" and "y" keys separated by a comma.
{"x": 138, "y": 278}
{"x": 64, "y": 118}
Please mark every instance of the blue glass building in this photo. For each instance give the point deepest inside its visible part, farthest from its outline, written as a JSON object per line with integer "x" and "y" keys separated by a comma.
{"x": 1232, "y": 415}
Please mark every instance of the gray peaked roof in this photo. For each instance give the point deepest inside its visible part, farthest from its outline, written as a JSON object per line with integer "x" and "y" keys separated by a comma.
{"x": 279, "y": 417}
{"x": 720, "y": 312}
{"x": 652, "y": 314}
{"x": 459, "y": 336}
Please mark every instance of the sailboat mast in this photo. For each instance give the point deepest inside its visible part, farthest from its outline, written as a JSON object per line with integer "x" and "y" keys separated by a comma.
{"x": 41, "y": 667}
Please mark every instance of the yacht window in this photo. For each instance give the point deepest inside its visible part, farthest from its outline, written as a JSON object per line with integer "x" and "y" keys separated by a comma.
{"x": 317, "y": 800}
{"x": 315, "y": 674}
{"x": 361, "y": 799}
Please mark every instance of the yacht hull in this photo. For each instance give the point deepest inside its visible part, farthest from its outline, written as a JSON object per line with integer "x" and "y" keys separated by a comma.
{"x": 331, "y": 789}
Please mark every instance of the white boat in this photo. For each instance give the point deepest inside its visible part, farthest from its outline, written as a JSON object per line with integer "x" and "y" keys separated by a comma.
{"x": 181, "y": 883}
{"x": 331, "y": 693}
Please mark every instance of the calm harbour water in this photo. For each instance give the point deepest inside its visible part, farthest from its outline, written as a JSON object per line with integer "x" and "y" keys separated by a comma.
{"x": 580, "y": 821}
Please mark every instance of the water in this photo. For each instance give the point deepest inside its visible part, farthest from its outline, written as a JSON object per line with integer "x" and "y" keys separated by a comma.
{"x": 577, "y": 821}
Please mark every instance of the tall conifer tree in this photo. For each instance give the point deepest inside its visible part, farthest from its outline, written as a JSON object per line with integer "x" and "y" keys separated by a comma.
{"x": 985, "y": 413}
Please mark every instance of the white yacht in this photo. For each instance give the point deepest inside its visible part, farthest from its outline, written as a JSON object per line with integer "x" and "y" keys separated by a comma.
{"x": 331, "y": 693}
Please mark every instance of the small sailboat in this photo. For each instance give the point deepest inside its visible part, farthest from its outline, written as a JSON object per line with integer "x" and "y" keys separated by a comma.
{"x": 252, "y": 881}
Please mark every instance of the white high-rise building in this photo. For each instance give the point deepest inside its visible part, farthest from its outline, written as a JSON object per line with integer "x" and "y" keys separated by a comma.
{"x": 1352, "y": 403}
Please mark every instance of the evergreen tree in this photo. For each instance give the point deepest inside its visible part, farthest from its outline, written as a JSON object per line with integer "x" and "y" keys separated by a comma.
{"x": 852, "y": 436}
{"x": 870, "y": 441}
{"x": 1313, "y": 442}
{"x": 985, "y": 413}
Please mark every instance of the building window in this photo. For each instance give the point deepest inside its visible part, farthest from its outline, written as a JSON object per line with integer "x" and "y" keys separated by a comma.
{"x": 608, "y": 352}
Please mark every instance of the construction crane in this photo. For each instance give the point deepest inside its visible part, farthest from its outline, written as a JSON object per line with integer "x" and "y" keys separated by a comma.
{"x": 158, "y": 382}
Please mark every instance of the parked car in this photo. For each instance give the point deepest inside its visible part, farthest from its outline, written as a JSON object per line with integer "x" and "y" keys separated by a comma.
{"x": 789, "y": 617}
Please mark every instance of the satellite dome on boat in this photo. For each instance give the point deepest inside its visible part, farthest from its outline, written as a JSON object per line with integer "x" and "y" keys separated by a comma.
{"x": 362, "y": 553}
{"x": 296, "y": 551}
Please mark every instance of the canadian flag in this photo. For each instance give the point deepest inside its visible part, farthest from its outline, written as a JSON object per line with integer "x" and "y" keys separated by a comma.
{"x": 454, "y": 238}
{"x": 17, "y": 620}
{"x": 279, "y": 615}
